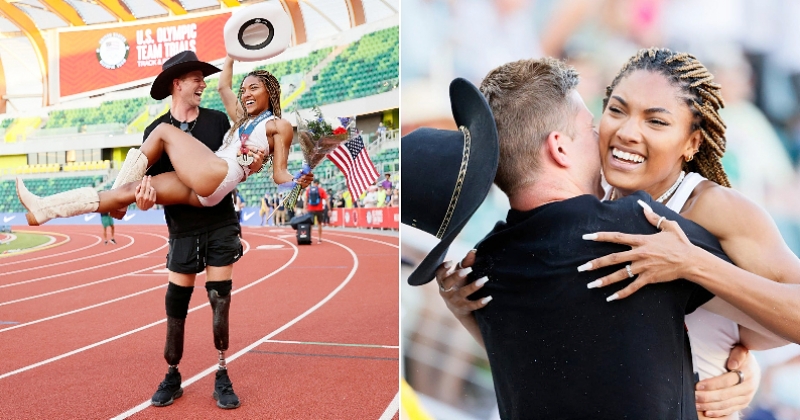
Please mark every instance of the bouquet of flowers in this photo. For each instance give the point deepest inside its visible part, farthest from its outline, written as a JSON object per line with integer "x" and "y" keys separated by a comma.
{"x": 317, "y": 139}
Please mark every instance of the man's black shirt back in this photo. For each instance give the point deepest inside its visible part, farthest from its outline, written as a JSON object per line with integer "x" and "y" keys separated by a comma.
{"x": 557, "y": 349}
{"x": 183, "y": 220}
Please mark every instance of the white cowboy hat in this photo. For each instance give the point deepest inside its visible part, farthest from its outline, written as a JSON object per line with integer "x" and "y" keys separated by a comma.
{"x": 257, "y": 32}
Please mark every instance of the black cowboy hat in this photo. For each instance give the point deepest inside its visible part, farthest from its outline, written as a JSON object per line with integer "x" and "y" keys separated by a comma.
{"x": 176, "y": 66}
{"x": 447, "y": 173}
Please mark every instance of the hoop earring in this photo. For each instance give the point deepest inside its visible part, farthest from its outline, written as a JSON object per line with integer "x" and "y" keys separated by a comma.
{"x": 690, "y": 158}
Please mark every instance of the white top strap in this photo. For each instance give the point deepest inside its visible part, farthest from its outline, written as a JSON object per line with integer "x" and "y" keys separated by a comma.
{"x": 690, "y": 181}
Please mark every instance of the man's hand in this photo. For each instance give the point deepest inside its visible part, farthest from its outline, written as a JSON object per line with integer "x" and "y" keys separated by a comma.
{"x": 258, "y": 159}
{"x": 724, "y": 395}
{"x": 145, "y": 194}
{"x": 454, "y": 290}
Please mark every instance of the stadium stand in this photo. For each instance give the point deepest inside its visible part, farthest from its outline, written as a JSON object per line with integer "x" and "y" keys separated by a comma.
{"x": 9, "y": 203}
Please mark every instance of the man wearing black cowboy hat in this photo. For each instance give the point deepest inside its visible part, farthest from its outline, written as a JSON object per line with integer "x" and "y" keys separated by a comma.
{"x": 556, "y": 348}
{"x": 200, "y": 238}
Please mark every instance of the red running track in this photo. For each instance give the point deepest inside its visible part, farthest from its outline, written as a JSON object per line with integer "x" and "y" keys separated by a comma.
{"x": 314, "y": 329}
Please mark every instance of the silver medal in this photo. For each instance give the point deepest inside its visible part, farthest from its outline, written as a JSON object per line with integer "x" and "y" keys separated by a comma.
{"x": 244, "y": 160}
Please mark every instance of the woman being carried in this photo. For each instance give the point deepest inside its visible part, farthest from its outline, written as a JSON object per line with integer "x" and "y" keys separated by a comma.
{"x": 201, "y": 178}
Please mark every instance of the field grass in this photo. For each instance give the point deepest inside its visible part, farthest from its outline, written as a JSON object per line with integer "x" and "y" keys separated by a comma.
{"x": 24, "y": 241}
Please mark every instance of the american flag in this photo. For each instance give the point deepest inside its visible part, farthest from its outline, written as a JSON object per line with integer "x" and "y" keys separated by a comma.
{"x": 353, "y": 160}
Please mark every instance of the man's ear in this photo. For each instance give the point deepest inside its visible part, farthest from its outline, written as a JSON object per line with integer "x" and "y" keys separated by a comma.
{"x": 554, "y": 148}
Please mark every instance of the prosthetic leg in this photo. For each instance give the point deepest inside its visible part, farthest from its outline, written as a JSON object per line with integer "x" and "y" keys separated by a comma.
{"x": 177, "y": 304}
{"x": 219, "y": 295}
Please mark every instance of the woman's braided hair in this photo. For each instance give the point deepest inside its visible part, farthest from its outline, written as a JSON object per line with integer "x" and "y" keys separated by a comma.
{"x": 273, "y": 88}
{"x": 702, "y": 96}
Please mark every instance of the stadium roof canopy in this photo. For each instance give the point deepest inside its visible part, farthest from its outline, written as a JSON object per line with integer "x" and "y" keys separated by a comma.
{"x": 27, "y": 31}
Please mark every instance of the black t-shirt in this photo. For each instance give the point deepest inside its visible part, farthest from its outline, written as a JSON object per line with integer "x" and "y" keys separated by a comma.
{"x": 182, "y": 219}
{"x": 557, "y": 349}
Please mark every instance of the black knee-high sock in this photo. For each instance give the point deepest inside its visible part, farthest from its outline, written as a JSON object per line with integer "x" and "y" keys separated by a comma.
{"x": 177, "y": 305}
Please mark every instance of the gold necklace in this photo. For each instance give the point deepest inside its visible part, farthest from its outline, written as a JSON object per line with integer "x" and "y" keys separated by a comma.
{"x": 664, "y": 196}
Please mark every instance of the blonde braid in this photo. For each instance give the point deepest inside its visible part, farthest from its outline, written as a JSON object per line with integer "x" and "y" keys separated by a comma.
{"x": 703, "y": 98}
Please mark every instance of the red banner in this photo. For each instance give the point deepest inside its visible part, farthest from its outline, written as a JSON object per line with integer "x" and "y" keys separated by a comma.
{"x": 94, "y": 59}
{"x": 383, "y": 217}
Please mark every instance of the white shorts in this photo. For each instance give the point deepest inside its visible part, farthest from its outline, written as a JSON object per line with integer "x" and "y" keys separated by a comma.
{"x": 232, "y": 179}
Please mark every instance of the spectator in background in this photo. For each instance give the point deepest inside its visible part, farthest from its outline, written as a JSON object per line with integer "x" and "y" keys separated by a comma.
{"x": 387, "y": 182}
{"x": 348, "y": 199}
{"x": 755, "y": 159}
{"x": 380, "y": 196}
{"x": 339, "y": 202}
{"x": 371, "y": 197}
{"x": 395, "y": 199}
{"x": 316, "y": 197}
{"x": 299, "y": 207}
{"x": 107, "y": 221}
{"x": 280, "y": 211}
{"x": 381, "y": 131}
{"x": 266, "y": 209}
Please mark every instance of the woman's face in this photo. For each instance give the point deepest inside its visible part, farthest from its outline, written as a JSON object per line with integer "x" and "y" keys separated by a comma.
{"x": 255, "y": 96}
{"x": 645, "y": 134}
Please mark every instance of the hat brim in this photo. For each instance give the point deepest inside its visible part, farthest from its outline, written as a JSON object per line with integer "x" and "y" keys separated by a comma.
{"x": 161, "y": 86}
{"x": 470, "y": 110}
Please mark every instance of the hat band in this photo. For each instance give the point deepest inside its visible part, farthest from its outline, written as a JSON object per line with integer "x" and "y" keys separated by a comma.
{"x": 462, "y": 173}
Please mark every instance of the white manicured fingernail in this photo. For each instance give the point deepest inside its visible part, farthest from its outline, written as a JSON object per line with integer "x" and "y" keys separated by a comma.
{"x": 482, "y": 281}
{"x": 464, "y": 271}
{"x": 587, "y": 266}
{"x": 448, "y": 264}
{"x": 612, "y": 297}
{"x": 645, "y": 206}
{"x": 594, "y": 284}
{"x": 486, "y": 300}
{"x": 590, "y": 236}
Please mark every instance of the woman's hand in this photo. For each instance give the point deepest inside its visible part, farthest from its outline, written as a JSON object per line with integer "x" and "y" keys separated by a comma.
{"x": 452, "y": 279}
{"x": 258, "y": 159}
{"x": 305, "y": 180}
{"x": 653, "y": 258}
{"x": 724, "y": 395}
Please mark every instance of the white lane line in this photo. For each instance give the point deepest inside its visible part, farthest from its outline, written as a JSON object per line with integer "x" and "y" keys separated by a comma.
{"x": 80, "y": 286}
{"x": 116, "y": 249}
{"x": 393, "y": 407}
{"x": 132, "y": 273}
{"x": 318, "y": 343}
{"x": 85, "y": 308}
{"x": 89, "y": 268}
{"x": 363, "y": 239}
{"x": 125, "y": 334}
{"x": 98, "y": 239}
{"x": 235, "y": 356}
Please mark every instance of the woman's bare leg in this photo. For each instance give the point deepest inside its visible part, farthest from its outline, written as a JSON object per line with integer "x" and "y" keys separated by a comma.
{"x": 195, "y": 164}
{"x": 169, "y": 190}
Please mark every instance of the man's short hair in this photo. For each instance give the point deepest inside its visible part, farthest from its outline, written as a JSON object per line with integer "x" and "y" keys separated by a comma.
{"x": 529, "y": 100}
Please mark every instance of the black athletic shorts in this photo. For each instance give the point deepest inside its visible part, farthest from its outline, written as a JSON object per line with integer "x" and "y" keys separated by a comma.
{"x": 217, "y": 248}
{"x": 318, "y": 217}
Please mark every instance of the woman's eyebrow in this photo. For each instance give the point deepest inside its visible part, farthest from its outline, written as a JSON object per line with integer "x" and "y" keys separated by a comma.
{"x": 653, "y": 110}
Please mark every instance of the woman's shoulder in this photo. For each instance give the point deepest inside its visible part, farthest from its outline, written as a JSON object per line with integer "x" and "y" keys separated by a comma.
{"x": 721, "y": 210}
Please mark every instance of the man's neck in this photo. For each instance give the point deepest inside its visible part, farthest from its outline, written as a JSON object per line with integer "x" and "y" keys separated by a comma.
{"x": 184, "y": 112}
{"x": 543, "y": 191}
